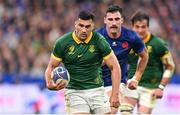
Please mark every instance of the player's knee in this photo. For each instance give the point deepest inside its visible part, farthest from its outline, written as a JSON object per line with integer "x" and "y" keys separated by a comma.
{"x": 126, "y": 109}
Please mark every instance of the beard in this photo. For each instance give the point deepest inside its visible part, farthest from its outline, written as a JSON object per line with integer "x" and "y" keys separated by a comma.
{"x": 114, "y": 34}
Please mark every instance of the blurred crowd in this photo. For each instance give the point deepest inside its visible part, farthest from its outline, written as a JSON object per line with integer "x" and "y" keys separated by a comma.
{"x": 28, "y": 29}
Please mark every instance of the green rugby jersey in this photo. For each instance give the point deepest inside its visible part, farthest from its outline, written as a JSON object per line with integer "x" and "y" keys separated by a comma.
{"x": 152, "y": 75}
{"x": 82, "y": 59}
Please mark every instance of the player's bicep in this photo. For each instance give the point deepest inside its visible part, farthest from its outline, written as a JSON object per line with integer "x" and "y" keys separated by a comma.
{"x": 54, "y": 62}
{"x": 111, "y": 61}
{"x": 51, "y": 65}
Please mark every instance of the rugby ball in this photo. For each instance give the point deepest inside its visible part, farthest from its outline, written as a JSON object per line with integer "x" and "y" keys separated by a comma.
{"x": 60, "y": 73}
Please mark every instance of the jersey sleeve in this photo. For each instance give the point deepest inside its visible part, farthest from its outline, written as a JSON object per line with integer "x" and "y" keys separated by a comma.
{"x": 161, "y": 48}
{"x": 104, "y": 47}
{"x": 138, "y": 44}
{"x": 57, "y": 50}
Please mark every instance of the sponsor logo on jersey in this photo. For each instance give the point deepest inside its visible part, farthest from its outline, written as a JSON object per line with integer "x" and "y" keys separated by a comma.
{"x": 80, "y": 55}
{"x": 114, "y": 44}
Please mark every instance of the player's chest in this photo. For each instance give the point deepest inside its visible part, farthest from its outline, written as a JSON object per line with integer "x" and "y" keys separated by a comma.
{"x": 120, "y": 47}
{"x": 80, "y": 53}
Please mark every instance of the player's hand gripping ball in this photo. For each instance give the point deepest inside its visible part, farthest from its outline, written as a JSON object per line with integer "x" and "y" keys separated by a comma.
{"x": 60, "y": 73}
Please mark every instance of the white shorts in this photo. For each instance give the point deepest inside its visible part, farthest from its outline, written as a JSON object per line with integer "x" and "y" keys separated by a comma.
{"x": 144, "y": 96}
{"x": 108, "y": 89}
{"x": 86, "y": 101}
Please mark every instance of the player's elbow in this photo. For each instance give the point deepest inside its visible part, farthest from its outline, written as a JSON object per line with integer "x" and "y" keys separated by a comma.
{"x": 144, "y": 56}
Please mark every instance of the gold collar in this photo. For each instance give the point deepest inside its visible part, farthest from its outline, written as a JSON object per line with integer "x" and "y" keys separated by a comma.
{"x": 147, "y": 38}
{"x": 78, "y": 41}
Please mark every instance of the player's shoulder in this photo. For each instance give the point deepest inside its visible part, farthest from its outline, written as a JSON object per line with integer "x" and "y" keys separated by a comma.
{"x": 158, "y": 40}
{"x": 65, "y": 37}
{"x": 97, "y": 35}
{"x": 129, "y": 33}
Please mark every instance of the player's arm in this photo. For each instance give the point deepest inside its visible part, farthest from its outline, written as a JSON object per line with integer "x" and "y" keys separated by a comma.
{"x": 168, "y": 71}
{"x": 48, "y": 78}
{"x": 141, "y": 65}
{"x": 112, "y": 62}
{"x": 169, "y": 67}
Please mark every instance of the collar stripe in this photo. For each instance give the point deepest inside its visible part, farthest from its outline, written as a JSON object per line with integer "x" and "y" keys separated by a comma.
{"x": 78, "y": 41}
{"x": 145, "y": 40}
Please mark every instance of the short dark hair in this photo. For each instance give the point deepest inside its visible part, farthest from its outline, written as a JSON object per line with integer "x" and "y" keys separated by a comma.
{"x": 86, "y": 15}
{"x": 139, "y": 16}
{"x": 114, "y": 8}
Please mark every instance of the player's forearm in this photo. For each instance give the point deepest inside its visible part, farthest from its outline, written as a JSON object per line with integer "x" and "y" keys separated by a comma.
{"x": 116, "y": 79}
{"x": 167, "y": 76}
{"x": 141, "y": 64}
{"x": 164, "y": 81}
{"x": 140, "y": 69}
{"x": 115, "y": 69}
{"x": 116, "y": 75}
{"x": 48, "y": 74}
{"x": 52, "y": 64}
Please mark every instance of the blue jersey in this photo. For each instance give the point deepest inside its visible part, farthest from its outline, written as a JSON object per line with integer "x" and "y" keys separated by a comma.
{"x": 121, "y": 47}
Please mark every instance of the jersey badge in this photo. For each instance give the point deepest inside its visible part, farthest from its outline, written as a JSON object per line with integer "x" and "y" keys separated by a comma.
{"x": 149, "y": 48}
{"x": 125, "y": 44}
{"x": 91, "y": 48}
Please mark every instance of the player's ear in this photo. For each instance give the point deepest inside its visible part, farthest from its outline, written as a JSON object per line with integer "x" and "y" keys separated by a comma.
{"x": 122, "y": 20}
{"x": 105, "y": 20}
{"x": 75, "y": 23}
